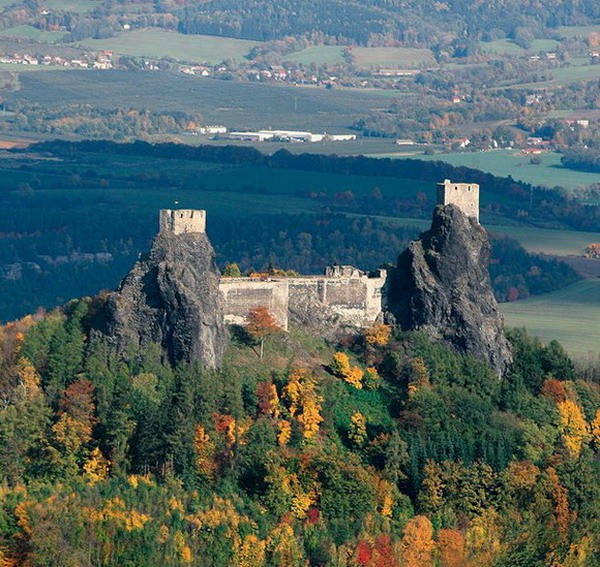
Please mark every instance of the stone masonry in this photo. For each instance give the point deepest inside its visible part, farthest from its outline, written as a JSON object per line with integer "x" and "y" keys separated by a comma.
{"x": 182, "y": 221}
{"x": 344, "y": 297}
{"x": 463, "y": 195}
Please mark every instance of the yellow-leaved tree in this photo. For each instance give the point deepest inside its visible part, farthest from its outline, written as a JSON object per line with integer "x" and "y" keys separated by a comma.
{"x": 417, "y": 543}
{"x": 341, "y": 367}
{"x": 572, "y": 426}
{"x": 303, "y": 401}
{"x": 378, "y": 334}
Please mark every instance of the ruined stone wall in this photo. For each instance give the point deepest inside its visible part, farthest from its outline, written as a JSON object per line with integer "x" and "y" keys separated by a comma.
{"x": 464, "y": 195}
{"x": 240, "y": 295}
{"x": 182, "y": 221}
{"x": 316, "y": 301}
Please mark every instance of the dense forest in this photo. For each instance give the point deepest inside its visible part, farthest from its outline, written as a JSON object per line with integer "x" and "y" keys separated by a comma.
{"x": 510, "y": 197}
{"x": 362, "y": 21}
{"x": 438, "y": 24}
{"x": 76, "y": 216}
{"x": 385, "y": 449}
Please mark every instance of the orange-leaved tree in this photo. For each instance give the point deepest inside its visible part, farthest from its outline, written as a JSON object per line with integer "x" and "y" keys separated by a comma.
{"x": 417, "y": 543}
{"x": 260, "y": 324}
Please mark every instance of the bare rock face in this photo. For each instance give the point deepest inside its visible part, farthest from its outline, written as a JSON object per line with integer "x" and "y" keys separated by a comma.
{"x": 442, "y": 286}
{"x": 171, "y": 298}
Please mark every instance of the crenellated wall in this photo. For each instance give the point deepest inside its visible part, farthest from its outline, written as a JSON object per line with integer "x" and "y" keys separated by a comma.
{"x": 182, "y": 221}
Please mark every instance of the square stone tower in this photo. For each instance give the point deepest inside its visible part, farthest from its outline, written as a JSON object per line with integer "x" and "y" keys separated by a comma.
{"x": 464, "y": 195}
{"x": 182, "y": 221}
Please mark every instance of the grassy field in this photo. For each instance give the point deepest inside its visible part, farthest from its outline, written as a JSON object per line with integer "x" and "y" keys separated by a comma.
{"x": 509, "y": 162}
{"x": 236, "y": 105}
{"x": 320, "y": 55}
{"x": 78, "y": 6}
{"x": 395, "y": 57}
{"x": 160, "y": 43}
{"x": 570, "y": 316}
{"x": 508, "y": 47}
{"x": 577, "y": 31}
{"x": 547, "y": 241}
{"x": 29, "y": 32}
{"x": 579, "y": 69}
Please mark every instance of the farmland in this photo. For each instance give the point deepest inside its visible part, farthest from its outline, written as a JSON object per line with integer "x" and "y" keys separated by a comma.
{"x": 508, "y": 47}
{"x": 160, "y": 43}
{"x": 395, "y": 57}
{"x": 245, "y": 106}
{"x": 320, "y": 55}
{"x": 77, "y": 6}
{"x": 29, "y": 32}
{"x": 549, "y": 172}
{"x": 569, "y": 316}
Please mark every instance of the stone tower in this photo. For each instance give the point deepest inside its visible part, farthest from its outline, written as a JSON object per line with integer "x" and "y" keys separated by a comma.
{"x": 182, "y": 221}
{"x": 465, "y": 196}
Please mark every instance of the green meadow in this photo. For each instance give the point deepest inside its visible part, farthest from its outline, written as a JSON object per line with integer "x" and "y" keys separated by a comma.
{"x": 509, "y": 47}
{"x": 320, "y": 55}
{"x": 77, "y": 6}
{"x": 36, "y": 34}
{"x": 395, "y": 57}
{"x": 577, "y": 31}
{"x": 549, "y": 172}
{"x": 570, "y": 316}
{"x": 161, "y": 43}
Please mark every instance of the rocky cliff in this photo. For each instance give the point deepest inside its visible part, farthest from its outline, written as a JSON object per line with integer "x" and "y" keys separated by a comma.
{"x": 442, "y": 286}
{"x": 171, "y": 298}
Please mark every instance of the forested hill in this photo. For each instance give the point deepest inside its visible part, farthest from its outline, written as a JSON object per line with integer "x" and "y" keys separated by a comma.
{"x": 385, "y": 450}
{"x": 420, "y": 21}
{"x": 413, "y": 22}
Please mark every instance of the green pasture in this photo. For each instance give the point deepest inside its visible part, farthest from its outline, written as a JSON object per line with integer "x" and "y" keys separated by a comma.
{"x": 570, "y": 316}
{"x": 509, "y": 47}
{"x": 577, "y": 31}
{"x": 320, "y": 55}
{"x": 394, "y": 57}
{"x": 77, "y": 6}
{"x": 578, "y": 69}
{"x": 29, "y": 32}
{"x": 161, "y": 43}
{"x": 549, "y": 172}
{"x": 547, "y": 241}
{"x": 27, "y": 69}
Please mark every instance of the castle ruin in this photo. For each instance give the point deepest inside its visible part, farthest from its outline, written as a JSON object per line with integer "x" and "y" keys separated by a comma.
{"x": 343, "y": 297}
{"x": 465, "y": 196}
{"x": 182, "y": 221}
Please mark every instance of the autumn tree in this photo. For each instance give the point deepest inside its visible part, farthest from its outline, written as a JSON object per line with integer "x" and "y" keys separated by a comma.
{"x": 451, "y": 548}
{"x": 341, "y": 367}
{"x": 572, "y": 426}
{"x": 303, "y": 401}
{"x": 357, "y": 433}
{"x": 417, "y": 543}
{"x": 268, "y": 400}
{"x": 260, "y": 324}
{"x": 378, "y": 335}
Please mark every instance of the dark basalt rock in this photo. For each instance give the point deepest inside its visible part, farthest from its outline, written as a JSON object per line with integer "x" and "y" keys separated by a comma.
{"x": 171, "y": 298}
{"x": 442, "y": 286}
